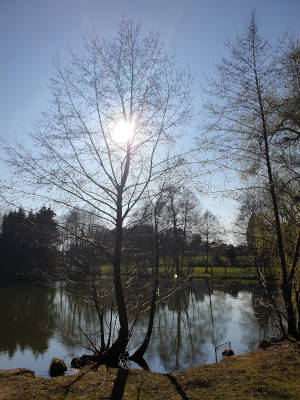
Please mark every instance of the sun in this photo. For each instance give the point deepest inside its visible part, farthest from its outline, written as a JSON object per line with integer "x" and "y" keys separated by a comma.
{"x": 123, "y": 131}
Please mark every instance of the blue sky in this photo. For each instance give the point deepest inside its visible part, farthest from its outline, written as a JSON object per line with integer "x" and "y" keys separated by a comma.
{"x": 32, "y": 32}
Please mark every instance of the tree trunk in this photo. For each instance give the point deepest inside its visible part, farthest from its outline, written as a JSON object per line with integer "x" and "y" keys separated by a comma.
{"x": 139, "y": 353}
{"x": 206, "y": 267}
{"x": 122, "y": 340}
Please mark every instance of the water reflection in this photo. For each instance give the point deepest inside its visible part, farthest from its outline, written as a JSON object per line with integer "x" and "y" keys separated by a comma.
{"x": 189, "y": 327}
{"x": 28, "y": 318}
{"x": 40, "y": 322}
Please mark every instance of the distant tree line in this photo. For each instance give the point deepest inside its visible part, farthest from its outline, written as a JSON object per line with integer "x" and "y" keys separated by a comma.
{"x": 28, "y": 241}
{"x": 36, "y": 241}
{"x": 183, "y": 231}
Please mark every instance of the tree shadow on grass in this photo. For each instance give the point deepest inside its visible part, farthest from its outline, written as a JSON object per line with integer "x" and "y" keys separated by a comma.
{"x": 79, "y": 376}
{"x": 178, "y": 388}
{"x": 118, "y": 387}
{"x": 119, "y": 384}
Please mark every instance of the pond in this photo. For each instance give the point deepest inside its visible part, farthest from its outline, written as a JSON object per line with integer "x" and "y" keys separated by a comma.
{"x": 39, "y": 323}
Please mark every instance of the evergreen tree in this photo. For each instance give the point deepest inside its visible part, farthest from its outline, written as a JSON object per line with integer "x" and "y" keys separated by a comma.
{"x": 28, "y": 242}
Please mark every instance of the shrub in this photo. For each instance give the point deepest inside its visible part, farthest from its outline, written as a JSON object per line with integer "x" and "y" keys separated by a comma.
{"x": 57, "y": 367}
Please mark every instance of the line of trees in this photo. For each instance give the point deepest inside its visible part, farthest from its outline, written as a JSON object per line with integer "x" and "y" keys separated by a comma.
{"x": 41, "y": 242}
{"x": 183, "y": 231}
{"x": 29, "y": 242}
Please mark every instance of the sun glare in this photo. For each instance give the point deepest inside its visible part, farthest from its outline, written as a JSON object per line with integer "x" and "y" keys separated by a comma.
{"x": 123, "y": 131}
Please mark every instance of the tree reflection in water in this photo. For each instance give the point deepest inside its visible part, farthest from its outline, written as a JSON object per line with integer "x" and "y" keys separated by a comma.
{"x": 185, "y": 334}
{"x": 186, "y": 327}
{"x": 28, "y": 318}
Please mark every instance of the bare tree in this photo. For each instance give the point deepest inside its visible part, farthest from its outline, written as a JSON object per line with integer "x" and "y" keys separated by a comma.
{"x": 246, "y": 119}
{"x": 288, "y": 105}
{"x": 210, "y": 229}
{"x": 181, "y": 212}
{"x": 116, "y": 115}
{"x": 81, "y": 234}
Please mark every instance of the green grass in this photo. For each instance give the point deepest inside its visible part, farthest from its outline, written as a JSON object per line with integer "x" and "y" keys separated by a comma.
{"x": 199, "y": 272}
{"x": 231, "y": 272}
{"x": 243, "y": 268}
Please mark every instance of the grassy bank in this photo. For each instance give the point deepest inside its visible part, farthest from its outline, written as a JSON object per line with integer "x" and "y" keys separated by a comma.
{"x": 273, "y": 373}
{"x": 197, "y": 272}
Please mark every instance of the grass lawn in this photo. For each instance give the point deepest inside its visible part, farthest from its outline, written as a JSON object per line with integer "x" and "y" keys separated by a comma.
{"x": 243, "y": 268}
{"x": 199, "y": 272}
{"x": 231, "y": 272}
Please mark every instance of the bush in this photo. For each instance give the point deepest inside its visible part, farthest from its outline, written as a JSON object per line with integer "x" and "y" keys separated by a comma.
{"x": 57, "y": 367}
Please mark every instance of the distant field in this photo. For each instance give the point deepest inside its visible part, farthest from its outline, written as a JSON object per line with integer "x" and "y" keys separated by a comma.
{"x": 198, "y": 270}
{"x": 243, "y": 267}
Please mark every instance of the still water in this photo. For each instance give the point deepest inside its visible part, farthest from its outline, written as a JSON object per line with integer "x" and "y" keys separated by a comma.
{"x": 39, "y": 323}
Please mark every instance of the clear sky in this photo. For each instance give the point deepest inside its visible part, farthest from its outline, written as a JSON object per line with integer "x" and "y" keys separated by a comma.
{"x": 32, "y": 32}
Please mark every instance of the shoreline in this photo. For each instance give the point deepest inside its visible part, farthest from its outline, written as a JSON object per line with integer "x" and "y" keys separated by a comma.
{"x": 272, "y": 373}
